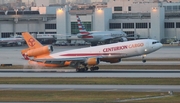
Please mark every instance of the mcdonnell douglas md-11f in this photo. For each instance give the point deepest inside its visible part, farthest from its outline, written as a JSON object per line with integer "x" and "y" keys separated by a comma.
{"x": 82, "y": 58}
{"x": 99, "y": 36}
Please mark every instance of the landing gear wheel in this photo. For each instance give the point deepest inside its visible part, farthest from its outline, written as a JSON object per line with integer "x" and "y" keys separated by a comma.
{"x": 82, "y": 69}
{"x": 77, "y": 70}
{"x": 86, "y": 68}
{"x": 144, "y": 61}
{"x": 94, "y": 68}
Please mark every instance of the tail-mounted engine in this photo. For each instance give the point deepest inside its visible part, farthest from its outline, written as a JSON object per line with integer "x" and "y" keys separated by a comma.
{"x": 92, "y": 61}
{"x": 40, "y": 51}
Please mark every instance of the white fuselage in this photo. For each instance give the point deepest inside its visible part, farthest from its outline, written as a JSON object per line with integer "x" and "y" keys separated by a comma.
{"x": 115, "y": 50}
{"x": 99, "y": 36}
{"x": 10, "y": 40}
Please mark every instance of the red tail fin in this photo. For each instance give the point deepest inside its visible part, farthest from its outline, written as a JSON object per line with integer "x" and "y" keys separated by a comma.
{"x": 81, "y": 27}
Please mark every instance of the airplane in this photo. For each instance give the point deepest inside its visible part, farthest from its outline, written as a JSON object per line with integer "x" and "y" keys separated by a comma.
{"x": 12, "y": 41}
{"x": 89, "y": 56}
{"x": 99, "y": 36}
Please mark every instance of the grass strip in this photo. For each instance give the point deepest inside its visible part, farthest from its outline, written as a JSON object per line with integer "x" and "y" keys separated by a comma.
{"x": 93, "y": 81}
{"x": 82, "y": 96}
{"x": 101, "y": 66}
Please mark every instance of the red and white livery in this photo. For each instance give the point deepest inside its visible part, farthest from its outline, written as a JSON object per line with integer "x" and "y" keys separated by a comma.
{"x": 82, "y": 58}
{"x": 99, "y": 36}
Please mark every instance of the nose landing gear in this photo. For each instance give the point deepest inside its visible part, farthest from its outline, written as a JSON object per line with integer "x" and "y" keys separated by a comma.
{"x": 143, "y": 59}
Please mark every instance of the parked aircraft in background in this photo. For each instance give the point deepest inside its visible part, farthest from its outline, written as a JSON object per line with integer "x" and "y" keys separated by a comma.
{"x": 45, "y": 38}
{"x": 99, "y": 36}
{"x": 89, "y": 56}
{"x": 12, "y": 41}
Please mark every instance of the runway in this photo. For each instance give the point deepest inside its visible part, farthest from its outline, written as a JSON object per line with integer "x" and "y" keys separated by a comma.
{"x": 101, "y": 73}
{"x": 98, "y": 71}
{"x": 134, "y": 88}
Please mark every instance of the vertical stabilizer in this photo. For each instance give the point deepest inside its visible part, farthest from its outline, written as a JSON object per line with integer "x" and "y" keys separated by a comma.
{"x": 31, "y": 41}
{"x": 81, "y": 27}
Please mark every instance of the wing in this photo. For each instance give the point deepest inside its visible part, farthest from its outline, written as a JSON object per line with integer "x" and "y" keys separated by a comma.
{"x": 61, "y": 59}
{"x": 73, "y": 61}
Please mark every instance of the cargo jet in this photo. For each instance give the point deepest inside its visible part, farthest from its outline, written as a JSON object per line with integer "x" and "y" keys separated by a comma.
{"x": 12, "y": 41}
{"x": 89, "y": 56}
{"x": 94, "y": 37}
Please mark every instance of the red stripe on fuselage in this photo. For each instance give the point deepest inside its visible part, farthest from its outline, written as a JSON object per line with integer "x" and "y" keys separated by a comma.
{"x": 84, "y": 32}
{"x": 91, "y": 54}
{"x": 87, "y": 36}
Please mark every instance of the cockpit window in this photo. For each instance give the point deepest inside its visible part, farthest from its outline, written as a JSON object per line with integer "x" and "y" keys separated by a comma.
{"x": 155, "y": 42}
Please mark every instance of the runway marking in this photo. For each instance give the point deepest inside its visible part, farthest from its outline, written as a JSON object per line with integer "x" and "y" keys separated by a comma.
{"x": 145, "y": 98}
{"x": 5, "y": 89}
{"x": 111, "y": 90}
{"x": 67, "y": 90}
{"x": 65, "y": 71}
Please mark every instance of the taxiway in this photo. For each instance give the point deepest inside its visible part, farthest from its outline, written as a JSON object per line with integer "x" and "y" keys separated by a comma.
{"x": 134, "y": 88}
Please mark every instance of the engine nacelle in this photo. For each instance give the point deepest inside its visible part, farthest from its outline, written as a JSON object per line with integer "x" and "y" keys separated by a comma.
{"x": 92, "y": 61}
{"x": 112, "y": 60}
{"x": 39, "y": 51}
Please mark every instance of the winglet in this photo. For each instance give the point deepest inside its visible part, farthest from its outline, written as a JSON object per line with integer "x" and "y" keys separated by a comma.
{"x": 81, "y": 27}
{"x": 31, "y": 41}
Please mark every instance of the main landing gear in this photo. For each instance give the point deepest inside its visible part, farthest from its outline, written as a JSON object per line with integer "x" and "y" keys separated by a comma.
{"x": 84, "y": 68}
{"x": 143, "y": 59}
{"x": 94, "y": 68}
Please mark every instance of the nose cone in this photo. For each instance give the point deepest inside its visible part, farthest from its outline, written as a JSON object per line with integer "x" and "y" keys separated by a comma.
{"x": 160, "y": 45}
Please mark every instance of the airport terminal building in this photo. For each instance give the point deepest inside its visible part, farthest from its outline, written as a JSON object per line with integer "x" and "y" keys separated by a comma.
{"x": 138, "y": 18}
